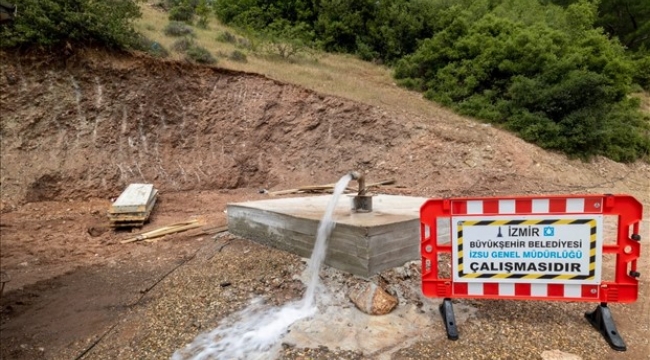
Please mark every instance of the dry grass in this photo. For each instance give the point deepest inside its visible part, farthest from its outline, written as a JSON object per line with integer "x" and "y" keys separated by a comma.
{"x": 339, "y": 75}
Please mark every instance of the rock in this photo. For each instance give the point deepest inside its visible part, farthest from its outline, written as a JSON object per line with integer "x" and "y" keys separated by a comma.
{"x": 372, "y": 299}
{"x": 97, "y": 230}
{"x": 559, "y": 355}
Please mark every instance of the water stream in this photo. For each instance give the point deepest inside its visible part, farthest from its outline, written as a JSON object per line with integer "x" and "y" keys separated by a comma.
{"x": 258, "y": 329}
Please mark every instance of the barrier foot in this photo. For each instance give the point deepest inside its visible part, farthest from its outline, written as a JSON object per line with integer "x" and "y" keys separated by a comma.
{"x": 447, "y": 312}
{"x": 601, "y": 318}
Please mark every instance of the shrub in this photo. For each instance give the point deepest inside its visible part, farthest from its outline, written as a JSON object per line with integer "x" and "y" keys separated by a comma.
{"x": 286, "y": 41}
{"x": 183, "y": 11}
{"x": 200, "y": 55}
{"x": 227, "y": 37}
{"x": 177, "y": 28}
{"x": 150, "y": 47}
{"x": 182, "y": 45}
{"x": 238, "y": 56}
{"x": 245, "y": 43}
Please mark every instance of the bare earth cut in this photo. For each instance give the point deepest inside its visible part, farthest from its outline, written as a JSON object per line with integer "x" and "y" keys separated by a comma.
{"x": 75, "y": 132}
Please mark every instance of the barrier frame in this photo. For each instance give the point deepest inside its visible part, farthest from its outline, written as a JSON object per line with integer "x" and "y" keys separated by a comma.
{"x": 622, "y": 288}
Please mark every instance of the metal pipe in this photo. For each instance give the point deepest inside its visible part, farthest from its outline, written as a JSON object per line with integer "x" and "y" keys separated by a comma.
{"x": 361, "y": 180}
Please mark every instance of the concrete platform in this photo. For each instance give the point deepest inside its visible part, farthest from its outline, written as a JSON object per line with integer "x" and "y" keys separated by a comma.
{"x": 361, "y": 243}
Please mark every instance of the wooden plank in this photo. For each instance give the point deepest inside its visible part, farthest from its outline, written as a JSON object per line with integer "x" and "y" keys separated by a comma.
{"x": 211, "y": 230}
{"x": 325, "y": 188}
{"x": 127, "y": 224}
{"x": 165, "y": 230}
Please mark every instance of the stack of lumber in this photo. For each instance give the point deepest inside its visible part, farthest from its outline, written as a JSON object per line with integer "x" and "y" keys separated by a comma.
{"x": 133, "y": 207}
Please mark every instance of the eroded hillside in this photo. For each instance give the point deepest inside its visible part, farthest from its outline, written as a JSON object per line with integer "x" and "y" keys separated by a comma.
{"x": 89, "y": 125}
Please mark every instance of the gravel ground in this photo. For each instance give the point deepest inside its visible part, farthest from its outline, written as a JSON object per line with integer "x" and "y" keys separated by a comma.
{"x": 224, "y": 276}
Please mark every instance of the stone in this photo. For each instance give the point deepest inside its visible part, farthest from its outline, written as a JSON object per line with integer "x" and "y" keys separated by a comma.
{"x": 96, "y": 230}
{"x": 372, "y": 299}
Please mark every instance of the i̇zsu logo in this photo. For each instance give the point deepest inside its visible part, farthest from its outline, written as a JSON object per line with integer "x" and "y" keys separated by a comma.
{"x": 549, "y": 231}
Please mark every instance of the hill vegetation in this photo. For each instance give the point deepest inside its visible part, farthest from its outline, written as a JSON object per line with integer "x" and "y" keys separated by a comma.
{"x": 560, "y": 73}
{"x": 53, "y": 23}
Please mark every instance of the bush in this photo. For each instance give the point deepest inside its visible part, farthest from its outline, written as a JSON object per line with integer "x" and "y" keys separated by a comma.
{"x": 177, "y": 28}
{"x": 150, "y": 47}
{"x": 245, "y": 43}
{"x": 285, "y": 41}
{"x": 183, "y": 11}
{"x": 182, "y": 45}
{"x": 227, "y": 37}
{"x": 52, "y": 23}
{"x": 200, "y": 55}
{"x": 193, "y": 51}
{"x": 238, "y": 56}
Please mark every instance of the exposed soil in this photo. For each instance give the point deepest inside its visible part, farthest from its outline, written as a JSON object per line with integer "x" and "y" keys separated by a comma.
{"x": 76, "y": 131}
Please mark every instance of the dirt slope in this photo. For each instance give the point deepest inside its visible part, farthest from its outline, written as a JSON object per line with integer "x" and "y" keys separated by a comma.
{"x": 75, "y": 132}
{"x": 89, "y": 127}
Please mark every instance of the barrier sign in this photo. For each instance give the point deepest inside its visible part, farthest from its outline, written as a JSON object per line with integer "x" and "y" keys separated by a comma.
{"x": 532, "y": 248}
{"x": 553, "y": 249}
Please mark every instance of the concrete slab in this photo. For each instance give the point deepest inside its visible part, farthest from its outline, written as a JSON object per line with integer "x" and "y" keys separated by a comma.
{"x": 361, "y": 243}
{"x": 133, "y": 207}
{"x": 135, "y": 198}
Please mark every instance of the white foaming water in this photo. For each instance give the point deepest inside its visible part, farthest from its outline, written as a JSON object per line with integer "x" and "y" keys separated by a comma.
{"x": 258, "y": 329}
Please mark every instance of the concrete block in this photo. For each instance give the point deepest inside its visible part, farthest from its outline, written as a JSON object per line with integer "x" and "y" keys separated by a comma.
{"x": 361, "y": 243}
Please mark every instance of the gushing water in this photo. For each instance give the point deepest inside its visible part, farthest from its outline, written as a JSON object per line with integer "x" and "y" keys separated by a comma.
{"x": 257, "y": 329}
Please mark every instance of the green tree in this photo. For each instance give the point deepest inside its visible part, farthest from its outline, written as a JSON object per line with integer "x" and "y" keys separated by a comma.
{"x": 398, "y": 26}
{"x": 341, "y": 24}
{"x": 246, "y": 14}
{"x": 557, "y": 88}
{"x": 628, "y": 20}
{"x": 54, "y": 22}
{"x": 286, "y": 41}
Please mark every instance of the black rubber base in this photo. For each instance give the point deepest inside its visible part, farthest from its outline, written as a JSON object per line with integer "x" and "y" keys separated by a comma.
{"x": 601, "y": 318}
{"x": 447, "y": 312}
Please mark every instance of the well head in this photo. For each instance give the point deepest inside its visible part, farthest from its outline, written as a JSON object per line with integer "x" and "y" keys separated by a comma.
{"x": 362, "y": 203}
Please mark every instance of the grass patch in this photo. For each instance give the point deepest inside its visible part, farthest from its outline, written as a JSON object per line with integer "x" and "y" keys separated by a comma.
{"x": 340, "y": 75}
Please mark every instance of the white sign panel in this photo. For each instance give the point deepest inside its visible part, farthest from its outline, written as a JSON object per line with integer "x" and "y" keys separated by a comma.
{"x": 531, "y": 249}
